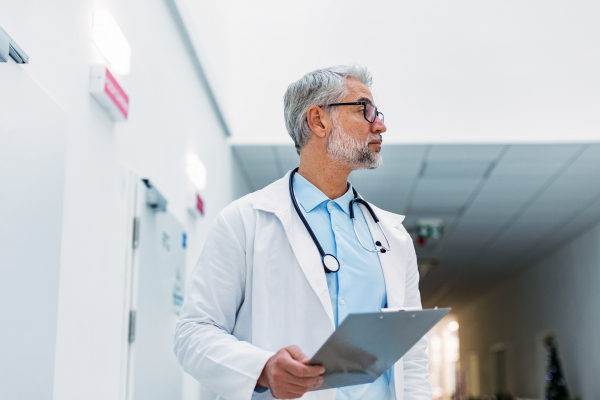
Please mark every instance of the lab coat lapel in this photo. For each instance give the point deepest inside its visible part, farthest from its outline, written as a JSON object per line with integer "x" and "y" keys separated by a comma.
{"x": 275, "y": 198}
{"x": 308, "y": 257}
{"x": 392, "y": 262}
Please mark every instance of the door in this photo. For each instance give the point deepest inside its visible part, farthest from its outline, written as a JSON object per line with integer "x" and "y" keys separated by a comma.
{"x": 157, "y": 273}
{"x": 33, "y": 155}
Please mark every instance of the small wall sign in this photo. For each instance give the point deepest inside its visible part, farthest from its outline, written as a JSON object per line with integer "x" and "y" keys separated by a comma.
{"x": 108, "y": 93}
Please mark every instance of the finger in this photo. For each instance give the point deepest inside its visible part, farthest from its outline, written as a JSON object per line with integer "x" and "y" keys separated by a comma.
{"x": 296, "y": 353}
{"x": 301, "y": 370}
{"x": 289, "y": 391}
{"x": 305, "y": 361}
{"x": 304, "y": 382}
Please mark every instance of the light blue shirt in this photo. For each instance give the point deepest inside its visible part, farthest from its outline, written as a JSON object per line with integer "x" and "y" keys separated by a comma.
{"x": 359, "y": 285}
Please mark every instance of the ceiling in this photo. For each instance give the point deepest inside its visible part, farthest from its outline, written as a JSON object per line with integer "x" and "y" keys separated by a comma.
{"x": 504, "y": 207}
{"x": 443, "y": 71}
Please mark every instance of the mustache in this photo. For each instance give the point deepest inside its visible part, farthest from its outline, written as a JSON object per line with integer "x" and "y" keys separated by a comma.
{"x": 375, "y": 137}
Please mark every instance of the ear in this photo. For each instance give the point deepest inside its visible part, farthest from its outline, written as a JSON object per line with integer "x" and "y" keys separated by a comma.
{"x": 319, "y": 121}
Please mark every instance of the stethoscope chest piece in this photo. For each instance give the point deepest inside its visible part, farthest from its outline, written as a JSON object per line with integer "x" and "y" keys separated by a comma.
{"x": 331, "y": 263}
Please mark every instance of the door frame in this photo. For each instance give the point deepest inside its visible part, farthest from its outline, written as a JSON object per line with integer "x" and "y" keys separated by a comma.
{"x": 134, "y": 197}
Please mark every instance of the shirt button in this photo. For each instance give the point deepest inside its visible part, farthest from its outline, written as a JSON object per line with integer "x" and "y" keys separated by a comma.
{"x": 341, "y": 262}
{"x": 336, "y": 228}
{"x": 330, "y": 204}
{"x": 342, "y": 302}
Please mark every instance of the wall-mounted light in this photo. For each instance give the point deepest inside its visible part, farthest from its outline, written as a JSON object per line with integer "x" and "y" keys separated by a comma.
{"x": 196, "y": 171}
{"x": 111, "y": 42}
{"x": 453, "y": 326}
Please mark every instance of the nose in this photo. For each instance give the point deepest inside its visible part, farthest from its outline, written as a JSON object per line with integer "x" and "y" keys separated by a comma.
{"x": 378, "y": 126}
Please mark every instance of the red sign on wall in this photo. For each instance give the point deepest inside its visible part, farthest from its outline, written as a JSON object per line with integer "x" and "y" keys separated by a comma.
{"x": 199, "y": 204}
{"x": 108, "y": 93}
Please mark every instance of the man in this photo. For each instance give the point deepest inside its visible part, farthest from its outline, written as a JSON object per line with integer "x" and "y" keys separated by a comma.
{"x": 260, "y": 301}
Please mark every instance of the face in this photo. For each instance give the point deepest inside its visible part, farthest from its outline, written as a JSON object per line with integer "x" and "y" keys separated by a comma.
{"x": 354, "y": 141}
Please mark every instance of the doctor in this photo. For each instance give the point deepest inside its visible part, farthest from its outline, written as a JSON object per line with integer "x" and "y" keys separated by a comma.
{"x": 262, "y": 300}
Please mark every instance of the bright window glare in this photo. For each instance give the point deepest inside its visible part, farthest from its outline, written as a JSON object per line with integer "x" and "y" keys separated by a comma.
{"x": 196, "y": 171}
{"x": 111, "y": 42}
{"x": 453, "y": 326}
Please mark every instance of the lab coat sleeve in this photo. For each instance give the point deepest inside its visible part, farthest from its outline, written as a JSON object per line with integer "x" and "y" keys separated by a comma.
{"x": 204, "y": 343}
{"x": 416, "y": 374}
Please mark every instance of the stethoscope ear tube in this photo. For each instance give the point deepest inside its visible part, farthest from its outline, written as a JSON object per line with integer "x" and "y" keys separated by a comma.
{"x": 358, "y": 200}
{"x": 364, "y": 203}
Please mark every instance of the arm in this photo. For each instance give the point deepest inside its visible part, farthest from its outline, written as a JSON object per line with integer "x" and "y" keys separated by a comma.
{"x": 204, "y": 343}
{"x": 416, "y": 374}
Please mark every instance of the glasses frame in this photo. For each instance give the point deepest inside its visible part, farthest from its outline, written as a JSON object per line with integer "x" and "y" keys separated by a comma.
{"x": 362, "y": 103}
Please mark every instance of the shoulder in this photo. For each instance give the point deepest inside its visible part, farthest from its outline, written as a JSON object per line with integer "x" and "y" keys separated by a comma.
{"x": 269, "y": 198}
{"x": 239, "y": 208}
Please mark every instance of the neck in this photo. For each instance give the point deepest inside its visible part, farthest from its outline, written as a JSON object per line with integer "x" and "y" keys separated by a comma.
{"x": 329, "y": 177}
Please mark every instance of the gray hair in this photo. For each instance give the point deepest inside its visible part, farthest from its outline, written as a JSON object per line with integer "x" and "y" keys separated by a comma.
{"x": 317, "y": 88}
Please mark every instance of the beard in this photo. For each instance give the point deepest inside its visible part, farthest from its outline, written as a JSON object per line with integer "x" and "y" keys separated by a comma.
{"x": 351, "y": 152}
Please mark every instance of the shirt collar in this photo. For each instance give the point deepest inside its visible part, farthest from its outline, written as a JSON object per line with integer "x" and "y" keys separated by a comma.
{"x": 309, "y": 196}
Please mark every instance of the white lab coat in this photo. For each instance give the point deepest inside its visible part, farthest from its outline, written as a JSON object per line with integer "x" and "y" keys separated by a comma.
{"x": 259, "y": 286}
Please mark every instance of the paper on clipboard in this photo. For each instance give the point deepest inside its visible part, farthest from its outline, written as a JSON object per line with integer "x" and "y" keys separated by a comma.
{"x": 366, "y": 345}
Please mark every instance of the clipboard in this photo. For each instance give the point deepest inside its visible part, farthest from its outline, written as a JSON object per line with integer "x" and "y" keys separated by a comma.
{"x": 366, "y": 345}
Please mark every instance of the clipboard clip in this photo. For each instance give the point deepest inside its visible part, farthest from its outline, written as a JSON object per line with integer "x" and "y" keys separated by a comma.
{"x": 384, "y": 310}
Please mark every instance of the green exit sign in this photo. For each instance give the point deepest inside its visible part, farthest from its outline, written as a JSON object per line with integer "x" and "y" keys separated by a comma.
{"x": 430, "y": 229}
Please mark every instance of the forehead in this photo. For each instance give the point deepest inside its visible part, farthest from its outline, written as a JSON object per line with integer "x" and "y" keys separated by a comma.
{"x": 356, "y": 89}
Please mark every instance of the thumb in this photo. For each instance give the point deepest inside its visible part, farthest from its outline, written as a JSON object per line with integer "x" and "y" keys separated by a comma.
{"x": 297, "y": 354}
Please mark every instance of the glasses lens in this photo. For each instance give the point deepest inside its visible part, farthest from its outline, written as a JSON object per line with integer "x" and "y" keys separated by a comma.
{"x": 380, "y": 114}
{"x": 370, "y": 112}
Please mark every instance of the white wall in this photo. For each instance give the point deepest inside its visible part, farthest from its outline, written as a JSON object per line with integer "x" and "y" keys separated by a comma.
{"x": 170, "y": 115}
{"x": 560, "y": 294}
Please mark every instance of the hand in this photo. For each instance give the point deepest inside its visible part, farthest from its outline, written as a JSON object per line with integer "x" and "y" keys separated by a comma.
{"x": 288, "y": 376}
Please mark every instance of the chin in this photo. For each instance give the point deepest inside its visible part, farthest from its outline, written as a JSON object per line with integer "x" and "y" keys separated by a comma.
{"x": 373, "y": 163}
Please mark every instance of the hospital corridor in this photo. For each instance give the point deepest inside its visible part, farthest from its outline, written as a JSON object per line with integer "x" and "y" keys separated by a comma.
{"x": 143, "y": 145}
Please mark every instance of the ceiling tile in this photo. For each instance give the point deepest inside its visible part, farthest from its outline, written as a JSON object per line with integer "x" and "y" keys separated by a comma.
{"x": 464, "y": 152}
{"x": 536, "y": 152}
{"x": 456, "y": 169}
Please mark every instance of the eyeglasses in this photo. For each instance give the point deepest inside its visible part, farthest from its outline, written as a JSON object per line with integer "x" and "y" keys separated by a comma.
{"x": 370, "y": 111}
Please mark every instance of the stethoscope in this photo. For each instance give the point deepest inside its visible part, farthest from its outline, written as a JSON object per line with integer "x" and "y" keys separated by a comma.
{"x": 330, "y": 262}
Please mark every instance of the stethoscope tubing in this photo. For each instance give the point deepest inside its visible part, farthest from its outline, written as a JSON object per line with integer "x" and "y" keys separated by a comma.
{"x": 330, "y": 262}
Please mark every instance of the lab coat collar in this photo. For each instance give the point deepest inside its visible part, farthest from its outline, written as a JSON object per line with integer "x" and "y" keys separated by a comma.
{"x": 276, "y": 199}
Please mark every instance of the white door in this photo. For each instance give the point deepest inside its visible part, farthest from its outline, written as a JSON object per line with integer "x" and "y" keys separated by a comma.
{"x": 158, "y": 265}
{"x": 33, "y": 154}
